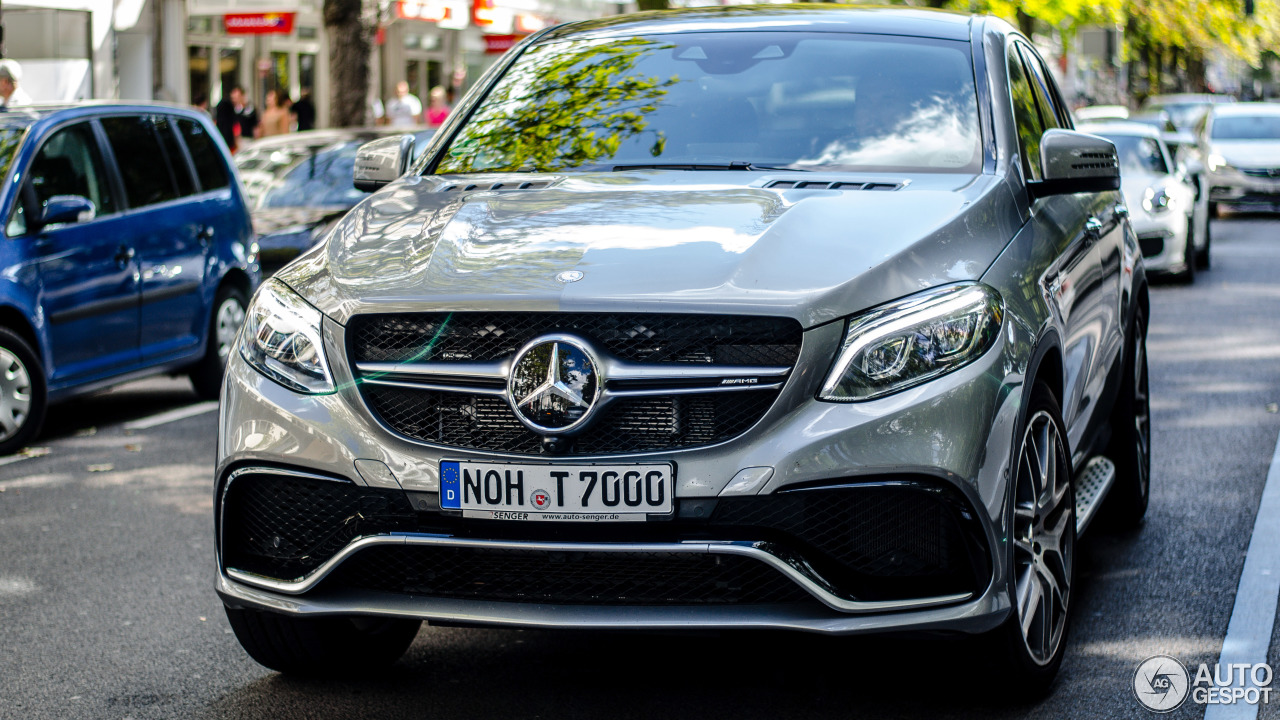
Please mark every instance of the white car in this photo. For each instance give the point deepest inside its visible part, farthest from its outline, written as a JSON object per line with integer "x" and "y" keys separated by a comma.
{"x": 1241, "y": 147}
{"x": 1169, "y": 216}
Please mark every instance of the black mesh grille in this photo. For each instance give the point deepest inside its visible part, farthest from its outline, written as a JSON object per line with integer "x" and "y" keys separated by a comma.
{"x": 571, "y": 578}
{"x": 627, "y": 425}
{"x": 284, "y": 527}
{"x": 483, "y": 337}
{"x": 872, "y": 541}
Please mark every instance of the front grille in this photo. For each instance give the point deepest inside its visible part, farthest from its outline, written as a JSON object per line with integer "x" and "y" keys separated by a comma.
{"x": 645, "y": 338}
{"x": 872, "y": 541}
{"x": 640, "y": 424}
{"x": 566, "y": 578}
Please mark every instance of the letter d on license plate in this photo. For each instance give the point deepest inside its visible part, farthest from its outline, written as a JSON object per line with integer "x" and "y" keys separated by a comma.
{"x": 557, "y": 493}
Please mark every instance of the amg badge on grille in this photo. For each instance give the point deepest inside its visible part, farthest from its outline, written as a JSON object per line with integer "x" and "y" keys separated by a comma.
{"x": 554, "y": 384}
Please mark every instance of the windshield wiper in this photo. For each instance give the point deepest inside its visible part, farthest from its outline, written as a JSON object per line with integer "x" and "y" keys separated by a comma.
{"x": 704, "y": 166}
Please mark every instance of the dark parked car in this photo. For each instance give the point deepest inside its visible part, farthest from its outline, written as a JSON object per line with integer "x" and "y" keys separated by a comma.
{"x": 127, "y": 252}
{"x": 807, "y": 317}
{"x": 299, "y": 184}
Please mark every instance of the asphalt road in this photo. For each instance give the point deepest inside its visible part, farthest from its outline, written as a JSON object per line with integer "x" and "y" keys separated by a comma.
{"x": 107, "y": 607}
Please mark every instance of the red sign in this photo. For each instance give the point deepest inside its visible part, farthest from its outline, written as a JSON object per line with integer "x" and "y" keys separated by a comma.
{"x": 258, "y": 24}
{"x": 498, "y": 44}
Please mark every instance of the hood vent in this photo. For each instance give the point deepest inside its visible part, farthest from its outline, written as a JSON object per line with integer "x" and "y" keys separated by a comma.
{"x": 485, "y": 187}
{"x": 831, "y": 185}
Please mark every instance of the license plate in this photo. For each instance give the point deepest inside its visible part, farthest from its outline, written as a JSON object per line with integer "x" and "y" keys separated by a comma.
{"x": 557, "y": 493}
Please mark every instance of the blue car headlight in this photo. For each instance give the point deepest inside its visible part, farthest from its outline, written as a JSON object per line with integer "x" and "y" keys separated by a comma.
{"x": 281, "y": 339}
{"x": 914, "y": 340}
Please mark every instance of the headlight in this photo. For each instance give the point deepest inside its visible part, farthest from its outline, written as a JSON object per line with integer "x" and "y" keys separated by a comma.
{"x": 1216, "y": 162}
{"x": 913, "y": 340}
{"x": 281, "y": 339}
{"x": 1157, "y": 201}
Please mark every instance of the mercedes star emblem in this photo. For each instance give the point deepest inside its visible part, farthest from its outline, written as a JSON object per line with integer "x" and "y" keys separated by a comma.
{"x": 554, "y": 384}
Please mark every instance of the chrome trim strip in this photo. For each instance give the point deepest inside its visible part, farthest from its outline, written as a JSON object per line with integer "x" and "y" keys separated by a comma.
{"x": 497, "y": 372}
{"x": 650, "y": 392}
{"x": 470, "y": 389}
{"x": 743, "y": 549}
{"x": 619, "y": 370}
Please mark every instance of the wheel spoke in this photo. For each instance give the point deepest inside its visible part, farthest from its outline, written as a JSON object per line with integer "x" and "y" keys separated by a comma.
{"x": 1030, "y": 598}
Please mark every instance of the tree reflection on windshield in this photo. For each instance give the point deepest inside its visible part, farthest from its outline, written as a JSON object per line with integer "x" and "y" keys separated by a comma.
{"x": 561, "y": 110}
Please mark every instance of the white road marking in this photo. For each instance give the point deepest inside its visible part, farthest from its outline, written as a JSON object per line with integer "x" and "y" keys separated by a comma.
{"x": 13, "y": 459}
{"x": 181, "y": 413}
{"x": 1252, "y": 619}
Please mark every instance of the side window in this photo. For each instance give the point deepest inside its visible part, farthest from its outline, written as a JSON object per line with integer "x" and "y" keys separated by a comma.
{"x": 137, "y": 151}
{"x": 68, "y": 163}
{"x": 204, "y": 155}
{"x": 1050, "y": 114}
{"x": 1025, "y": 115}
{"x": 177, "y": 158}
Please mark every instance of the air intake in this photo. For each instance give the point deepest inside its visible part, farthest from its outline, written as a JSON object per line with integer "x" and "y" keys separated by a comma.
{"x": 486, "y": 187}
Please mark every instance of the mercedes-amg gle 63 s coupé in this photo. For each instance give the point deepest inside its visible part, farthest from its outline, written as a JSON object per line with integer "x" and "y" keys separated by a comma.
{"x": 810, "y": 318}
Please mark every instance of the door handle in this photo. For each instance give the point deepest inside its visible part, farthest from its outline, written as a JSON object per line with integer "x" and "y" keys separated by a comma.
{"x": 1122, "y": 210}
{"x": 124, "y": 255}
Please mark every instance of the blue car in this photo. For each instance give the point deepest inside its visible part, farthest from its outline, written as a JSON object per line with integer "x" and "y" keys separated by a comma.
{"x": 127, "y": 251}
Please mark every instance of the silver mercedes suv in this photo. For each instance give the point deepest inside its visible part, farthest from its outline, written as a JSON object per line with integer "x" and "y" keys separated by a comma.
{"x": 810, "y": 318}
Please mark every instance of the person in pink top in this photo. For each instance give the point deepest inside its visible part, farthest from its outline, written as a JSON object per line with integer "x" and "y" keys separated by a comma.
{"x": 437, "y": 108}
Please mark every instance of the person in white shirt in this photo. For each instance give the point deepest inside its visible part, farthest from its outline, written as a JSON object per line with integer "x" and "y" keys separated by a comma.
{"x": 10, "y": 94}
{"x": 406, "y": 108}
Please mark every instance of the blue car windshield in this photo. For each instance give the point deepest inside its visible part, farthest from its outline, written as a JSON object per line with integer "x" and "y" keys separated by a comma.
{"x": 10, "y": 140}
{"x": 808, "y": 101}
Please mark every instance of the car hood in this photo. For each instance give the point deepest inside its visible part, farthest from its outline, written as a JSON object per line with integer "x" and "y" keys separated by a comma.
{"x": 268, "y": 221}
{"x": 662, "y": 241}
{"x": 1248, "y": 153}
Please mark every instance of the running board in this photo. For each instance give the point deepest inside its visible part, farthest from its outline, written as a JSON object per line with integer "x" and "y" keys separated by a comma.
{"x": 1092, "y": 485}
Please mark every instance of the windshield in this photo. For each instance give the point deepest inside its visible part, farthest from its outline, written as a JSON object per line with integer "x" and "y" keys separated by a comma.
{"x": 1247, "y": 127}
{"x": 797, "y": 100}
{"x": 1139, "y": 154}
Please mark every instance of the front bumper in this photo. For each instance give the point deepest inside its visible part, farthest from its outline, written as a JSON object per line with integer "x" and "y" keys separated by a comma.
{"x": 1234, "y": 186}
{"x": 955, "y": 431}
{"x": 1163, "y": 240}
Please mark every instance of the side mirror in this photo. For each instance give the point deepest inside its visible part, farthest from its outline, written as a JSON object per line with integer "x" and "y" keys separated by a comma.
{"x": 382, "y": 161}
{"x": 62, "y": 209}
{"x": 1076, "y": 162}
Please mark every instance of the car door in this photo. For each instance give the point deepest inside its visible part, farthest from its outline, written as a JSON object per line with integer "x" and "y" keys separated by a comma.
{"x": 1075, "y": 224}
{"x": 172, "y": 242}
{"x": 88, "y": 274}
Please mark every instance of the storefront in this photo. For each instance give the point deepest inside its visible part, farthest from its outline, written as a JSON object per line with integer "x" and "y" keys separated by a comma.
{"x": 260, "y": 45}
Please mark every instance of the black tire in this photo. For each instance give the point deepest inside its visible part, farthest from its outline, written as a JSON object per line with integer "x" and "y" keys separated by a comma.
{"x": 1188, "y": 274}
{"x": 1130, "y": 447}
{"x": 1214, "y": 211}
{"x": 23, "y": 399}
{"x": 321, "y": 647}
{"x": 1026, "y": 673}
{"x": 228, "y": 306}
{"x": 1202, "y": 255}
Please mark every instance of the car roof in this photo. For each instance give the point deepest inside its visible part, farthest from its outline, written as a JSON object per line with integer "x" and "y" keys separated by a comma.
{"x": 1120, "y": 127}
{"x": 1246, "y": 109}
{"x": 28, "y": 115}
{"x": 913, "y": 22}
{"x": 1182, "y": 98}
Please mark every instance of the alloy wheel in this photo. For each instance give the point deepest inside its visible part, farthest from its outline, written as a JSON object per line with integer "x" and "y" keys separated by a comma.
{"x": 1141, "y": 409}
{"x": 226, "y": 324}
{"x": 15, "y": 394}
{"x": 1044, "y": 538}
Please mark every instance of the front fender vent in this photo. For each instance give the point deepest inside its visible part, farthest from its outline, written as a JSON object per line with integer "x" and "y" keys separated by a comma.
{"x": 832, "y": 185}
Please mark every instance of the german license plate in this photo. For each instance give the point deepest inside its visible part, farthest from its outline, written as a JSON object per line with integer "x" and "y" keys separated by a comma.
{"x": 557, "y": 493}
